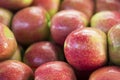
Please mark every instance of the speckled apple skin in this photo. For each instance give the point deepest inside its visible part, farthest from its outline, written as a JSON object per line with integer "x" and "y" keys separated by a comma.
{"x": 114, "y": 44}
{"x": 64, "y": 22}
{"x": 85, "y": 49}
{"x": 55, "y": 70}
{"x": 104, "y": 20}
{"x": 30, "y": 25}
{"x": 106, "y": 73}
{"x": 51, "y": 6}
{"x": 14, "y": 70}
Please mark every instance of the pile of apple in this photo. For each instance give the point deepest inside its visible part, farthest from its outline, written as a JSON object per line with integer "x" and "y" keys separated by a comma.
{"x": 59, "y": 39}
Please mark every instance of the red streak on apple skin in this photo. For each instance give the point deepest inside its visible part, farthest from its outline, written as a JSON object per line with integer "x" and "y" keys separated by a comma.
{"x": 85, "y": 49}
{"x": 106, "y": 73}
{"x": 55, "y": 70}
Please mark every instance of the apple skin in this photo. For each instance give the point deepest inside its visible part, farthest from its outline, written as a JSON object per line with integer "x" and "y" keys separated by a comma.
{"x": 111, "y": 5}
{"x": 51, "y": 6}
{"x": 40, "y": 53}
{"x": 8, "y": 42}
{"x": 106, "y": 73}
{"x": 5, "y": 16}
{"x": 85, "y": 49}
{"x": 55, "y": 70}
{"x": 114, "y": 44}
{"x": 30, "y": 25}
{"x": 64, "y": 22}
{"x": 15, "y": 70}
{"x": 85, "y": 6}
{"x": 104, "y": 20}
{"x": 15, "y": 4}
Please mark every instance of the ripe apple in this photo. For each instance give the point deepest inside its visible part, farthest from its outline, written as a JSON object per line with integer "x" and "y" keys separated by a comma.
{"x": 41, "y": 52}
{"x": 30, "y": 25}
{"x": 85, "y": 49}
{"x": 8, "y": 42}
{"x": 106, "y": 73}
{"x": 15, "y": 4}
{"x": 51, "y": 6}
{"x": 85, "y": 6}
{"x": 114, "y": 44}
{"x": 15, "y": 70}
{"x": 112, "y": 5}
{"x": 55, "y": 70}
{"x": 104, "y": 20}
{"x": 5, "y": 16}
{"x": 64, "y": 22}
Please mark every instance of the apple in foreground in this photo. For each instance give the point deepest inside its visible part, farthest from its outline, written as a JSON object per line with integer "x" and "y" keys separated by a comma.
{"x": 106, "y": 73}
{"x": 8, "y": 42}
{"x": 51, "y": 6}
{"x": 85, "y": 49}
{"x": 30, "y": 25}
{"x": 15, "y": 4}
{"x": 55, "y": 70}
{"x": 15, "y": 70}
{"x": 40, "y": 53}
{"x": 104, "y": 20}
{"x": 114, "y": 44}
{"x": 64, "y": 22}
{"x": 5, "y": 16}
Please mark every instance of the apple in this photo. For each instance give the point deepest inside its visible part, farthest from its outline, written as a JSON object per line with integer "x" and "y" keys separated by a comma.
{"x": 106, "y": 73}
{"x": 55, "y": 70}
{"x": 111, "y": 5}
{"x": 51, "y": 6}
{"x": 104, "y": 20}
{"x": 64, "y": 22}
{"x": 8, "y": 42}
{"x": 86, "y": 49}
{"x": 5, "y": 16}
{"x": 15, "y": 4}
{"x": 30, "y": 25}
{"x": 85, "y": 6}
{"x": 15, "y": 70}
{"x": 114, "y": 44}
{"x": 40, "y": 53}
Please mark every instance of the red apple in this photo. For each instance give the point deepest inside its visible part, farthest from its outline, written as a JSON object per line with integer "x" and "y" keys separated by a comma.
{"x": 30, "y": 25}
{"x": 106, "y": 73}
{"x": 85, "y": 49}
{"x": 15, "y": 70}
{"x": 5, "y": 16}
{"x": 51, "y": 6}
{"x": 85, "y": 6}
{"x": 64, "y": 22}
{"x": 7, "y": 42}
{"x": 112, "y": 5}
{"x": 15, "y": 4}
{"x": 55, "y": 70}
{"x": 104, "y": 20}
{"x": 41, "y": 52}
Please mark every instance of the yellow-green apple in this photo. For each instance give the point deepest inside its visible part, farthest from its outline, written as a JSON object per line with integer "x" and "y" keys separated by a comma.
{"x": 15, "y": 4}
{"x": 85, "y": 6}
{"x": 64, "y": 22}
{"x": 114, "y": 44}
{"x": 15, "y": 70}
{"x": 55, "y": 70}
{"x": 30, "y": 25}
{"x": 111, "y": 5}
{"x": 86, "y": 49}
{"x": 51, "y": 6}
{"x": 106, "y": 73}
{"x": 104, "y": 20}
{"x": 5, "y": 16}
{"x": 40, "y": 53}
{"x": 8, "y": 42}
